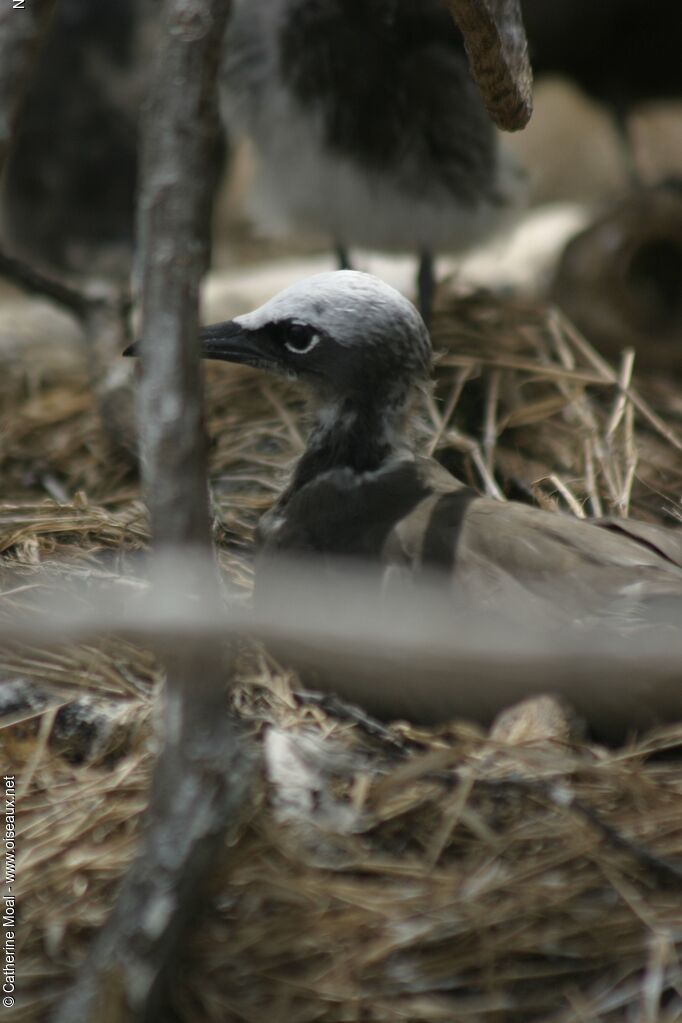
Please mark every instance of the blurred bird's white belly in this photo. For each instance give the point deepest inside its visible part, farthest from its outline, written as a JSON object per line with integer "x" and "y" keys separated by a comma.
{"x": 301, "y": 187}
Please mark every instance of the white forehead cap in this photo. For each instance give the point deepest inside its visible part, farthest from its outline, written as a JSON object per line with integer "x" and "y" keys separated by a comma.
{"x": 340, "y": 302}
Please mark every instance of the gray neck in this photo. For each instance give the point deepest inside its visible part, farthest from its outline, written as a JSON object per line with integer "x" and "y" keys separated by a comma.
{"x": 360, "y": 434}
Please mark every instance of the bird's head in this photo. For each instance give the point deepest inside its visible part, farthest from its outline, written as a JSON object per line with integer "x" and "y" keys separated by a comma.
{"x": 342, "y": 332}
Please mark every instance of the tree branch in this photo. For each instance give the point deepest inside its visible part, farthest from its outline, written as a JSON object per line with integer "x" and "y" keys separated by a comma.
{"x": 36, "y": 282}
{"x": 202, "y": 775}
{"x": 103, "y": 314}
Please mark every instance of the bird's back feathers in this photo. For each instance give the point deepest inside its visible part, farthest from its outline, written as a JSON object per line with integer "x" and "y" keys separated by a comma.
{"x": 502, "y": 556}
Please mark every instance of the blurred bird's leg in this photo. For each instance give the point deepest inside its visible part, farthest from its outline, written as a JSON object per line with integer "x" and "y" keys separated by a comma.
{"x": 342, "y": 257}
{"x": 426, "y": 286}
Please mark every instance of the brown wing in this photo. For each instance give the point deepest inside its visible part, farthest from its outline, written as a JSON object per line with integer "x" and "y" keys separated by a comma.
{"x": 666, "y": 541}
{"x": 524, "y": 561}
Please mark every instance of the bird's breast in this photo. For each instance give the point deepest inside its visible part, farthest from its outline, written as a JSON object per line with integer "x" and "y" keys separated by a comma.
{"x": 344, "y": 514}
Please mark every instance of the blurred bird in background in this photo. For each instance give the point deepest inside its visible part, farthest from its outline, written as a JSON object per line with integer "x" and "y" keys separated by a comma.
{"x": 68, "y": 196}
{"x": 69, "y": 189}
{"x": 367, "y": 127}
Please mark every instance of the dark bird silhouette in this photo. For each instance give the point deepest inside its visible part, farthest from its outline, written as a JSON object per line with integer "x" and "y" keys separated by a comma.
{"x": 361, "y": 491}
{"x": 367, "y": 126}
{"x": 68, "y": 195}
{"x": 70, "y": 179}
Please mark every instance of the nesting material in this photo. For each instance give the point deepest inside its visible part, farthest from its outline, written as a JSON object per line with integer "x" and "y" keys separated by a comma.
{"x": 438, "y": 876}
{"x": 536, "y": 412}
{"x": 379, "y": 873}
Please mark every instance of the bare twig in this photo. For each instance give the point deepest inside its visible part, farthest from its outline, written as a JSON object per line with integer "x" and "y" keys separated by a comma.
{"x": 103, "y": 315}
{"x": 200, "y": 778}
{"x": 399, "y": 663}
{"x": 36, "y": 282}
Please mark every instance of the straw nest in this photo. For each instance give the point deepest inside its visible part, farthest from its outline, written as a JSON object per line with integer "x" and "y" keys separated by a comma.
{"x": 377, "y": 873}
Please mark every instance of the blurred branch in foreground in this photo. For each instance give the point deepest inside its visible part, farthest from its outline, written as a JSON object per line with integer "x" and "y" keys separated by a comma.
{"x": 409, "y": 652}
{"x": 201, "y": 775}
{"x": 497, "y": 47}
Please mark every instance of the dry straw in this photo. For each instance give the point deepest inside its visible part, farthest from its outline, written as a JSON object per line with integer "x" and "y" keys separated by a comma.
{"x": 378, "y": 873}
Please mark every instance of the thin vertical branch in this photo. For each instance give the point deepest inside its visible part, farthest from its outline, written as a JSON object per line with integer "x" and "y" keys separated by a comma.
{"x": 173, "y": 253}
{"x": 201, "y": 775}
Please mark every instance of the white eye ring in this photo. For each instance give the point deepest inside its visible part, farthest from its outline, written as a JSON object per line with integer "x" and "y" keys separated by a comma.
{"x": 312, "y": 343}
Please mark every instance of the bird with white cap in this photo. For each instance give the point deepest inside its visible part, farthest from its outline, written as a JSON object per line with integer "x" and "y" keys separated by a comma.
{"x": 362, "y": 491}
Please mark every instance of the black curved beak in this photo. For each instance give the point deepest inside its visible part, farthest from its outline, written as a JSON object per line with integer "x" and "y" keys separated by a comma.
{"x": 226, "y": 341}
{"x": 229, "y": 342}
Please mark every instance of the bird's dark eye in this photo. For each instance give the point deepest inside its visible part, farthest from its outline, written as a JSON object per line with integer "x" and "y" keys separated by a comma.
{"x": 300, "y": 340}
